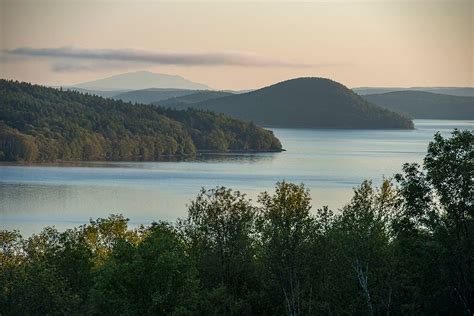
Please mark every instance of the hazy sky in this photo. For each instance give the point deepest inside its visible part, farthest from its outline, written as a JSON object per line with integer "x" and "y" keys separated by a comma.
{"x": 240, "y": 45}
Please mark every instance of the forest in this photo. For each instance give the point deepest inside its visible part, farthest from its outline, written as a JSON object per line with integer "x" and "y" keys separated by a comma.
{"x": 45, "y": 124}
{"x": 404, "y": 247}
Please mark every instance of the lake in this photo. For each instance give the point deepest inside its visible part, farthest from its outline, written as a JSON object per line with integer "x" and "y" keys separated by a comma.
{"x": 329, "y": 162}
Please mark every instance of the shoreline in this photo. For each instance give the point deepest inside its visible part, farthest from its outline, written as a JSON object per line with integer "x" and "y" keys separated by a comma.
{"x": 163, "y": 158}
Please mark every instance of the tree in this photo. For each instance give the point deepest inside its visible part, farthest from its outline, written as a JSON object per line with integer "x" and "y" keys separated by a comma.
{"x": 361, "y": 242}
{"x": 450, "y": 167}
{"x": 450, "y": 164}
{"x": 155, "y": 277}
{"x": 220, "y": 230}
{"x": 51, "y": 276}
{"x": 436, "y": 215}
{"x": 286, "y": 228}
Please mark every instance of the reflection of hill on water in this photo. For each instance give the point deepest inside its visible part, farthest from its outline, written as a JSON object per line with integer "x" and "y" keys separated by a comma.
{"x": 204, "y": 158}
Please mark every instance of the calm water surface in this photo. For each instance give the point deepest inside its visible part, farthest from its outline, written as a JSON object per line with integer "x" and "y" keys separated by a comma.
{"x": 329, "y": 162}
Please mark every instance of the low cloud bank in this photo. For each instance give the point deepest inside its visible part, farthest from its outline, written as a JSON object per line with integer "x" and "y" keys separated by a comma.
{"x": 74, "y": 59}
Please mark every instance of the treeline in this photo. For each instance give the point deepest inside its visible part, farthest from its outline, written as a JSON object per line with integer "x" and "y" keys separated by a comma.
{"x": 46, "y": 124}
{"x": 406, "y": 247}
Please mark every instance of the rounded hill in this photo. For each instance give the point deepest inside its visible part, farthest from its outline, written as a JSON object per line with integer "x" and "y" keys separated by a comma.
{"x": 307, "y": 103}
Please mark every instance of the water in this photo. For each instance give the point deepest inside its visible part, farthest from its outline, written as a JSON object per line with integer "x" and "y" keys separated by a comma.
{"x": 329, "y": 162}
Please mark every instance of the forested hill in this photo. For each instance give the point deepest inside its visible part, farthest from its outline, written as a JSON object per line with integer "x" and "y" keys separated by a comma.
{"x": 147, "y": 96}
{"x": 306, "y": 102}
{"x": 193, "y": 98}
{"x": 46, "y": 124}
{"x": 456, "y": 91}
{"x": 426, "y": 105}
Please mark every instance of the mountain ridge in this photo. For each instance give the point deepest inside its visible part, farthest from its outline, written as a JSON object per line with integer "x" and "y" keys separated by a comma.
{"x": 425, "y": 105}
{"x": 150, "y": 95}
{"x": 455, "y": 91}
{"x": 138, "y": 80}
{"x": 195, "y": 97}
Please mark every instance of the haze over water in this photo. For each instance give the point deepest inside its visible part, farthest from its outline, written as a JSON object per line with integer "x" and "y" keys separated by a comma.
{"x": 329, "y": 162}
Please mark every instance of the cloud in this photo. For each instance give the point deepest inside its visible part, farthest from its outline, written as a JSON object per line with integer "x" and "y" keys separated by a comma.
{"x": 70, "y": 67}
{"x": 76, "y": 59}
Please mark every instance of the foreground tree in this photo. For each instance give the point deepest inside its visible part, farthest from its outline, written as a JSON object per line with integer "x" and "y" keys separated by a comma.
{"x": 362, "y": 262}
{"x": 449, "y": 168}
{"x": 155, "y": 277}
{"x": 52, "y": 274}
{"x": 286, "y": 230}
{"x": 434, "y": 239}
{"x": 220, "y": 231}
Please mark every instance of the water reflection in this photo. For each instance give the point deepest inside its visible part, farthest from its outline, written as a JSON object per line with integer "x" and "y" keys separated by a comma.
{"x": 201, "y": 157}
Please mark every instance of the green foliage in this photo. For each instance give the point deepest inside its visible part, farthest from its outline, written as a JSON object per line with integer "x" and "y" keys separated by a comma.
{"x": 285, "y": 227}
{"x": 360, "y": 240}
{"x": 155, "y": 277}
{"x": 434, "y": 228}
{"x": 45, "y": 124}
{"x": 220, "y": 230}
{"x": 49, "y": 273}
{"x": 16, "y": 145}
{"x": 403, "y": 248}
{"x": 449, "y": 164}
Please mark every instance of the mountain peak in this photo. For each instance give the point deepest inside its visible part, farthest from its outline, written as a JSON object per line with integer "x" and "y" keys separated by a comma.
{"x": 142, "y": 80}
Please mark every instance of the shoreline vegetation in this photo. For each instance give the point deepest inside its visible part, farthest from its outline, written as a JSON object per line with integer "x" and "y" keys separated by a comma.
{"x": 404, "y": 247}
{"x": 46, "y": 124}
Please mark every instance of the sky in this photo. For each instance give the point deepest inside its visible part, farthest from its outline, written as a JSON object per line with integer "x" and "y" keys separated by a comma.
{"x": 240, "y": 44}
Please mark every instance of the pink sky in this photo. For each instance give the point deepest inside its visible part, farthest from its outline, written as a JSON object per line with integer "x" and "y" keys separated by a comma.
{"x": 240, "y": 45}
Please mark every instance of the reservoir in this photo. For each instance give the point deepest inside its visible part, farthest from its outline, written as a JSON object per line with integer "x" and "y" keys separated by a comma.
{"x": 329, "y": 162}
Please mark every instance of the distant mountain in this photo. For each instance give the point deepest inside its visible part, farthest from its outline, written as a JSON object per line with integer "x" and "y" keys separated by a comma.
{"x": 425, "y": 105}
{"x": 46, "y": 124}
{"x": 193, "y": 98}
{"x": 147, "y": 96}
{"x": 141, "y": 80}
{"x": 306, "y": 103}
{"x": 458, "y": 91}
